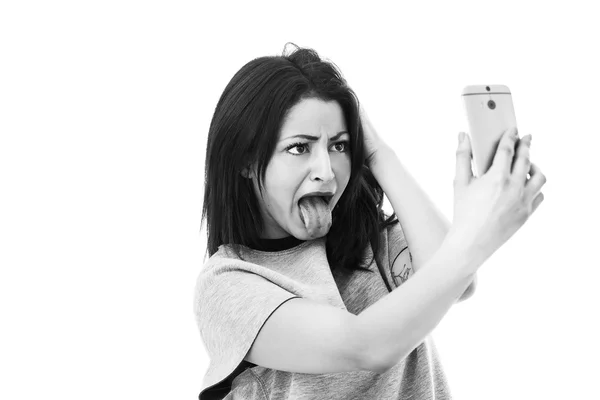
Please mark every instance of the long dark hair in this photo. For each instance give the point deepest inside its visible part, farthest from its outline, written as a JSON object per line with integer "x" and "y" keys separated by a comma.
{"x": 244, "y": 130}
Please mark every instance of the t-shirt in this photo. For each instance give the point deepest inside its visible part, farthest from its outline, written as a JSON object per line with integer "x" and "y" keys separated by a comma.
{"x": 235, "y": 297}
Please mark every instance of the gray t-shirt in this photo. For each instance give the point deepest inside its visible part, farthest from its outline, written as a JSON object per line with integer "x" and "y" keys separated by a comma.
{"x": 234, "y": 298}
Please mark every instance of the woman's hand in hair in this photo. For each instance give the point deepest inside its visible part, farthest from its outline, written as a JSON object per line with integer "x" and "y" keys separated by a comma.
{"x": 371, "y": 139}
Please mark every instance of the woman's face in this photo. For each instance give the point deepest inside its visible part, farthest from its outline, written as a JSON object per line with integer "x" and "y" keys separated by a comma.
{"x": 301, "y": 165}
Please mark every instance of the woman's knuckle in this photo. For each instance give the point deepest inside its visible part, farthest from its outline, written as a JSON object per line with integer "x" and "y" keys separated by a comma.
{"x": 504, "y": 180}
{"x": 508, "y": 149}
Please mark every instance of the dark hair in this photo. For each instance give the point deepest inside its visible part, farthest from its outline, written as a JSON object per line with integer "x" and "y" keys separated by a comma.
{"x": 244, "y": 130}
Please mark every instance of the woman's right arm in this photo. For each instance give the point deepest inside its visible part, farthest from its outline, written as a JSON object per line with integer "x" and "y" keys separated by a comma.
{"x": 488, "y": 210}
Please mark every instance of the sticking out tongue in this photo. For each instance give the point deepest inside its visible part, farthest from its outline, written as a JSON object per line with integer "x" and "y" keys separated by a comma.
{"x": 315, "y": 215}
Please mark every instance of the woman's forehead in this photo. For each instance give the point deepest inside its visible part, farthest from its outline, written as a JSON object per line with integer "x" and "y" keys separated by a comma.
{"x": 313, "y": 117}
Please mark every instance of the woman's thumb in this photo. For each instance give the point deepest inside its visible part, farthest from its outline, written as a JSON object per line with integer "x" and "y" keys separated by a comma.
{"x": 464, "y": 173}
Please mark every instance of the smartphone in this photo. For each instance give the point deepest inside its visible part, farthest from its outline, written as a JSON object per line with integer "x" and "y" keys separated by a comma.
{"x": 490, "y": 113}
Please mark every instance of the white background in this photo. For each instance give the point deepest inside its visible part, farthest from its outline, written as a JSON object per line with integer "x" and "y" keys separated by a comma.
{"x": 104, "y": 113}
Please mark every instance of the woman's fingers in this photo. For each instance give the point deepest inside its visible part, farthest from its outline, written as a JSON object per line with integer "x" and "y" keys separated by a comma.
{"x": 523, "y": 166}
{"x": 464, "y": 173}
{"x": 537, "y": 201}
{"x": 534, "y": 185}
{"x": 522, "y": 163}
{"x": 503, "y": 159}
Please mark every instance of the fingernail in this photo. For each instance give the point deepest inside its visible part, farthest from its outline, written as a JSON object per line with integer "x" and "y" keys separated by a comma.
{"x": 461, "y": 137}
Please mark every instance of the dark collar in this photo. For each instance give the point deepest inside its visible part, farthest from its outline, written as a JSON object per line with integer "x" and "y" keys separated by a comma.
{"x": 278, "y": 244}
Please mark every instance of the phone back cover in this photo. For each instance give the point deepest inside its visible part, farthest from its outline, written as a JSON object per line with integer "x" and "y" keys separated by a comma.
{"x": 487, "y": 125}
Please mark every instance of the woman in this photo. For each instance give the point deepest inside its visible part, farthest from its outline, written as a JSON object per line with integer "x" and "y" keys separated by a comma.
{"x": 294, "y": 301}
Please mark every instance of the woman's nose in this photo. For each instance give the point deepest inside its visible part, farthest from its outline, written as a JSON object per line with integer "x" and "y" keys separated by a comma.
{"x": 321, "y": 167}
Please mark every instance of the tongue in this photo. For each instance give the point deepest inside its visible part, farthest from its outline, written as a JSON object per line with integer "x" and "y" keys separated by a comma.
{"x": 316, "y": 215}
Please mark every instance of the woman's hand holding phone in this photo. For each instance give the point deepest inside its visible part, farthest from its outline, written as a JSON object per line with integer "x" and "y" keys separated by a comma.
{"x": 489, "y": 209}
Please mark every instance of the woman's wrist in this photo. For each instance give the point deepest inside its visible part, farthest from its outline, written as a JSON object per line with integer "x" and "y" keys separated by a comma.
{"x": 383, "y": 151}
{"x": 465, "y": 248}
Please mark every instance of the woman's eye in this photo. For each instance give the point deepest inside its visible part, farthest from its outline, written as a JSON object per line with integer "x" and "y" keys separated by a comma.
{"x": 345, "y": 146}
{"x": 297, "y": 146}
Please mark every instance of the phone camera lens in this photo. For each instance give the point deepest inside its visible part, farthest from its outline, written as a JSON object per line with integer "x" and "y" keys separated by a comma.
{"x": 487, "y": 88}
{"x": 491, "y": 104}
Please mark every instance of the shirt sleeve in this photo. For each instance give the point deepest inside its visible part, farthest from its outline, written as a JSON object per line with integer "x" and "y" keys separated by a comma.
{"x": 231, "y": 305}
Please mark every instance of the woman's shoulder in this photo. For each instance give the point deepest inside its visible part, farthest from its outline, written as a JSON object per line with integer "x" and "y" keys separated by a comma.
{"x": 238, "y": 258}
{"x": 225, "y": 258}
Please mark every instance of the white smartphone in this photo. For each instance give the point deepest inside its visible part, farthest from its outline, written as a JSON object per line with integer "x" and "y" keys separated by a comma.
{"x": 490, "y": 113}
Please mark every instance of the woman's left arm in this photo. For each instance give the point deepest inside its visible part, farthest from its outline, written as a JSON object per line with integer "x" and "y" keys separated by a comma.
{"x": 424, "y": 226}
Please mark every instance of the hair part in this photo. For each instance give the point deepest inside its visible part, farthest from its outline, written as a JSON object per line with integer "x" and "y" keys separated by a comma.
{"x": 244, "y": 131}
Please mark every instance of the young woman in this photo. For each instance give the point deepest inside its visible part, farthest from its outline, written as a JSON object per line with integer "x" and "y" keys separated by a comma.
{"x": 311, "y": 291}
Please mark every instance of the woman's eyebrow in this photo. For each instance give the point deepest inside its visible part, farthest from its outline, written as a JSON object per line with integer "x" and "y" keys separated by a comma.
{"x": 309, "y": 137}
